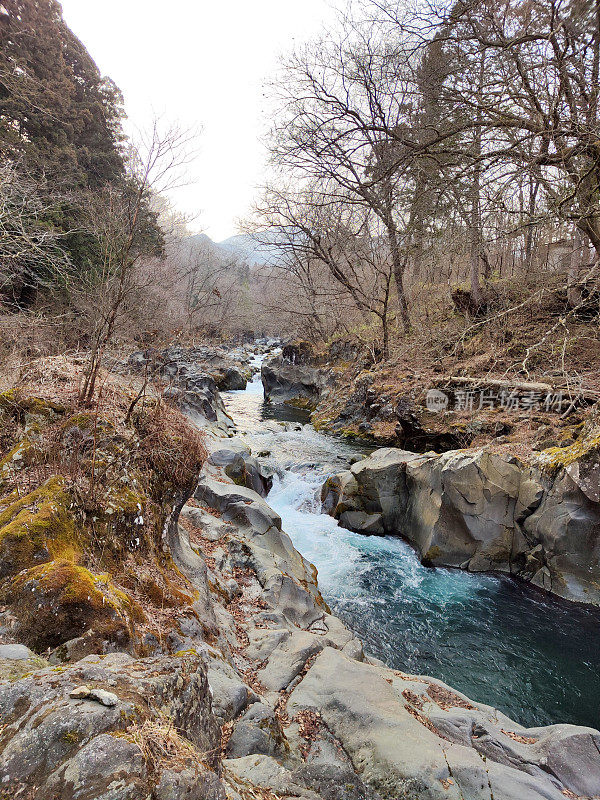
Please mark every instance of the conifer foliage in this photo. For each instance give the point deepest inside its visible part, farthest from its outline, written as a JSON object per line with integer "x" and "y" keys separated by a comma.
{"x": 62, "y": 148}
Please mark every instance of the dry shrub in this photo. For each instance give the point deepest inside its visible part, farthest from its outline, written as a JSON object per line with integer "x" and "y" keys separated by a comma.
{"x": 163, "y": 747}
{"x": 23, "y": 337}
{"x": 170, "y": 445}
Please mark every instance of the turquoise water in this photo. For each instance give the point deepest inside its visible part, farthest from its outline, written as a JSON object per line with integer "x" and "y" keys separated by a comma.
{"x": 535, "y": 658}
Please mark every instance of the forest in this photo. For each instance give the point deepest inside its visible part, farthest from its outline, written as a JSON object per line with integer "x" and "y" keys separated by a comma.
{"x": 433, "y": 165}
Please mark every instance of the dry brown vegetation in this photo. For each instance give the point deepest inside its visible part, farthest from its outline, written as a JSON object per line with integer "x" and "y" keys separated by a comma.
{"x": 529, "y": 334}
{"x": 87, "y": 495}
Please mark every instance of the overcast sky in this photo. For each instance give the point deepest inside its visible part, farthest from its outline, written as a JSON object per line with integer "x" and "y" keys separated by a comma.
{"x": 200, "y": 62}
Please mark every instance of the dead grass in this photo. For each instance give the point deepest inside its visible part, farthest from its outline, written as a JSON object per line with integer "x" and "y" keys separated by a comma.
{"x": 160, "y": 440}
{"x": 170, "y": 446}
{"x": 122, "y": 480}
{"x": 163, "y": 747}
{"x": 529, "y": 335}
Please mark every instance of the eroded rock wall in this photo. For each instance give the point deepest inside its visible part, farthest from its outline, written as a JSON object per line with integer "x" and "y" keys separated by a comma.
{"x": 481, "y": 511}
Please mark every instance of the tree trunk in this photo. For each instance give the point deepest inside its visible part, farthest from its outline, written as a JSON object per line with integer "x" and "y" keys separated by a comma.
{"x": 476, "y": 238}
{"x": 475, "y": 251}
{"x": 574, "y": 294}
{"x": 533, "y": 190}
{"x": 399, "y": 266}
{"x": 591, "y": 228}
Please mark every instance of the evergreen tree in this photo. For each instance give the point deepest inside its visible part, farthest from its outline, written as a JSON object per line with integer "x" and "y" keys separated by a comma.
{"x": 60, "y": 125}
{"x": 56, "y": 109}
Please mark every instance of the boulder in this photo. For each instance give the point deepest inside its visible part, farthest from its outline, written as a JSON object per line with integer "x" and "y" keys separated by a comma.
{"x": 198, "y": 397}
{"x": 258, "y": 731}
{"x": 229, "y": 379}
{"x": 243, "y": 469}
{"x": 413, "y": 737}
{"x": 60, "y": 742}
{"x": 480, "y": 511}
{"x": 292, "y": 381}
{"x": 54, "y": 602}
{"x": 268, "y": 774}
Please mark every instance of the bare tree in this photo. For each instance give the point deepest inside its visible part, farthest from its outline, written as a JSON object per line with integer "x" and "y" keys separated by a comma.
{"x": 31, "y": 251}
{"x": 123, "y": 226}
{"x": 316, "y": 231}
{"x": 338, "y": 102}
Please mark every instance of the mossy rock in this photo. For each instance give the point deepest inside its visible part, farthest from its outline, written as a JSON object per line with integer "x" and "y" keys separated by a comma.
{"x": 59, "y": 601}
{"x": 84, "y": 427}
{"x": 305, "y": 403}
{"x": 125, "y": 500}
{"x": 36, "y": 528}
{"x": 21, "y": 455}
{"x": 587, "y": 446}
{"x": 432, "y": 554}
{"x": 18, "y": 404}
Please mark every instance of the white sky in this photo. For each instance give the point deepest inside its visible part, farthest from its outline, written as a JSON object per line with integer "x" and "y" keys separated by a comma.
{"x": 200, "y": 63}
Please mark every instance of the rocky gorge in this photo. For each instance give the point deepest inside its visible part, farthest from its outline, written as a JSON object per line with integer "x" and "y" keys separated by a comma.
{"x": 250, "y": 687}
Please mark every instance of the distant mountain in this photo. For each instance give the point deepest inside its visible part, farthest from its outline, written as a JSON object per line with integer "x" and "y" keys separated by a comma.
{"x": 249, "y": 249}
{"x": 243, "y": 246}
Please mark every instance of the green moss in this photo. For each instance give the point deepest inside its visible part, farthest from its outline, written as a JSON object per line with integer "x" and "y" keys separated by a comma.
{"x": 350, "y": 433}
{"x": 36, "y": 527}
{"x": 554, "y": 459}
{"x": 70, "y": 584}
{"x": 15, "y": 669}
{"x": 15, "y": 401}
{"x": 433, "y": 553}
{"x": 61, "y": 600}
{"x": 301, "y": 402}
{"x": 320, "y": 423}
{"x": 125, "y": 499}
{"x": 87, "y": 422}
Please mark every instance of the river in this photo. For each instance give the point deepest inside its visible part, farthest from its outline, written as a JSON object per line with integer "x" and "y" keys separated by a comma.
{"x": 534, "y": 657}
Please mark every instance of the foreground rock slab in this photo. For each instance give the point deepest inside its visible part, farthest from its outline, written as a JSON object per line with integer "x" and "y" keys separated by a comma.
{"x": 418, "y": 736}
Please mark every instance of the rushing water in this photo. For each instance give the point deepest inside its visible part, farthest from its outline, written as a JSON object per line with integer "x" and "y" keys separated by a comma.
{"x": 535, "y": 658}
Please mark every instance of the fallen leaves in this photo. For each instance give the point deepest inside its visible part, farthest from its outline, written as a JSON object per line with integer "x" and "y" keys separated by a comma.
{"x": 446, "y": 699}
{"x": 517, "y": 737}
{"x": 413, "y": 699}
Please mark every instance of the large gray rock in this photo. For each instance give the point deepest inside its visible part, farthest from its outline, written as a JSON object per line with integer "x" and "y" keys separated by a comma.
{"x": 198, "y": 397}
{"x": 293, "y": 382}
{"x": 58, "y": 745}
{"x": 189, "y": 783}
{"x": 243, "y": 469}
{"x": 258, "y": 731}
{"x": 16, "y": 652}
{"x": 229, "y": 379}
{"x": 193, "y": 378}
{"x": 480, "y": 511}
{"x": 229, "y": 369}
{"x": 361, "y": 730}
{"x": 267, "y": 773}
